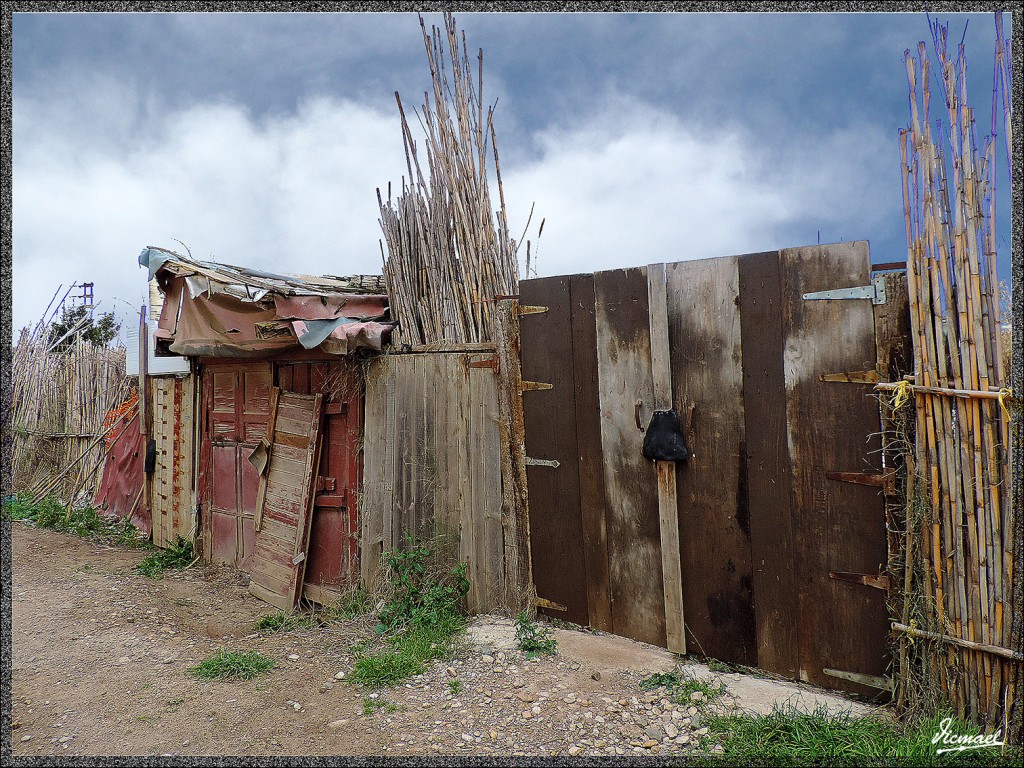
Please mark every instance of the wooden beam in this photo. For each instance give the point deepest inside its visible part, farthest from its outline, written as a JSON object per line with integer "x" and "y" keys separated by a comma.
{"x": 996, "y": 649}
{"x": 515, "y": 511}
{"x": 668, "y": 515}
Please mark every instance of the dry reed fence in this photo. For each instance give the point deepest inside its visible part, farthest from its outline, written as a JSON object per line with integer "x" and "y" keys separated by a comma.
{"x": 957, "y": 604}
{"x": 448, "y": 256}
{"x": 59, "y": 402}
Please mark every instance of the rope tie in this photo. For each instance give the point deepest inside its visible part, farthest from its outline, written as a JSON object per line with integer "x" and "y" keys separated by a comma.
{"x": 1006, "y": 393}
{"x": 901, "y": 395}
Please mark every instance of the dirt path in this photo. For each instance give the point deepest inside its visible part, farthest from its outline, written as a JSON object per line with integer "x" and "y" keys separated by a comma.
{"x": 100, "y": 656}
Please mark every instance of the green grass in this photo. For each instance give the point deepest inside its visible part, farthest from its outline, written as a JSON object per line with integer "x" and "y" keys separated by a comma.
{"x": 408, "y": 653}
{"x": 233, "y": 665}
{"x": 454, "y": 686}
{"x": 175, "y": 557}
{"x": 372, "y": 705}
{"x": 791, "y": 736}
{"x": 421, "y": 622}
{"x": 86, "y": 522}
{"x": 679, "y": 686}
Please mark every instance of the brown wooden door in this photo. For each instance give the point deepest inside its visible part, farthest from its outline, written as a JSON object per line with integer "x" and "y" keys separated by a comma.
{"x": 763, "y": 521}
{"x": 235, "y": 406}
{"x": 333, "y": 556}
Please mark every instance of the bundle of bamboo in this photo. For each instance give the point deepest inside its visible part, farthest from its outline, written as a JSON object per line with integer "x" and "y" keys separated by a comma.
{"x": 960, "y": 566}
{"x": 448, "y": 258}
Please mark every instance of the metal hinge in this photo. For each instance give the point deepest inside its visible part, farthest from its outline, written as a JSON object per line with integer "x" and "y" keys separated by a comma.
{"x": 875, "y": 292}
{"x": 542, "y": 462}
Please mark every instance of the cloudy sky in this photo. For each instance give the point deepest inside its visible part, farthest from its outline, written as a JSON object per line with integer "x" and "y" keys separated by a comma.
{"x": 259, "y": 139}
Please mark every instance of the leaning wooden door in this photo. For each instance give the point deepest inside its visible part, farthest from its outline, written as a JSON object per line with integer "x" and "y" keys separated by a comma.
{"x": 289, "y": 459}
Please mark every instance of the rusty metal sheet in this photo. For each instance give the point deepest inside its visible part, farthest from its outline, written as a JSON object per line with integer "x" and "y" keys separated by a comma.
{"x": 280, "y": 552}
{"x": 121, "y": 485}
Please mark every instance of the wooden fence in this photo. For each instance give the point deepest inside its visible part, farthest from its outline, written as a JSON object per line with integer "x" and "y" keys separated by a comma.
{"x": 432, "y": 463}
{"x": 781, "y": 512}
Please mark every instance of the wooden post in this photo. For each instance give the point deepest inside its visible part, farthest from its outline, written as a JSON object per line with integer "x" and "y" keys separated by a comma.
{"x": 515, "y": 512}
{"x": 668, "y": 514}
{"x": 144, "y": 409}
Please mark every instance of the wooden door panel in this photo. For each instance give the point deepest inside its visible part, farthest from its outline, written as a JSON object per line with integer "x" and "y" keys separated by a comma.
{"x": 280, "y": 553}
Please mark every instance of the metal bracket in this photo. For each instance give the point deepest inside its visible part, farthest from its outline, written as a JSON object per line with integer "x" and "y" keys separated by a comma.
{"x": 488, "y": 362}
{"x": 879, "y": 581}
{"x": 542, "y": 462}
{"x": 875, "y": 292}
{"x": 551, "y": 605}
{"x": 529, "y": 386}
{"x": 526, "y": 309}
{"x": 872, "y": 681}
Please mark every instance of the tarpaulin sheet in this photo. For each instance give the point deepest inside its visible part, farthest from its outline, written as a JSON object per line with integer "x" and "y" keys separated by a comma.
{"x": 219, "y": 324}
{"x": 123, "y": 477}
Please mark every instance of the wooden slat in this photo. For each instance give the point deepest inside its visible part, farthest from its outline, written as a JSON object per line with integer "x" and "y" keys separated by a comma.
{"x": 841, "y": 527}
{"x": 707, "y": 372}
{"x": 770, "y": 502}
{"x": 668, "y": 515}
{"x": 556, "y": 522}
{"x": 590, "y": 465}
{"x": 633, "y": 530}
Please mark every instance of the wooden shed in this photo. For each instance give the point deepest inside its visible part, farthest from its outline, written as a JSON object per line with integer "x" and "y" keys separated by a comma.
{"x": 263, "y": 353}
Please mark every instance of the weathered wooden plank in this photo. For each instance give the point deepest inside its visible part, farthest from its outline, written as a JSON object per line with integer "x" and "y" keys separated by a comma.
{"x": 556, "y": 522}
{"x": 590, "y": 466}
{"x": 668, "y": 514}
{"x": 841, "y": 527}
{"x": 707, "y": 372}
{"x": 287, "y": 499}
{"x": 483, "y": 383}
{"x": 633, "y": 530}
{"x": 376, "y": 470}
{"x": 770, "y": 501}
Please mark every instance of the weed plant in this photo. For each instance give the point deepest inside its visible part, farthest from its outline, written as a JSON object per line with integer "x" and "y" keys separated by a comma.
{"x": 176, "y": 557}
{"x": 533, "y": 639}
{"x": 420, "y": 622}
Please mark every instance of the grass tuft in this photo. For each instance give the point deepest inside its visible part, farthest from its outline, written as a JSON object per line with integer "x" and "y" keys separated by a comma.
{"x": 681, "y": 686}
{"x": 175, "y": 557}
{"x": 233, "y": 665}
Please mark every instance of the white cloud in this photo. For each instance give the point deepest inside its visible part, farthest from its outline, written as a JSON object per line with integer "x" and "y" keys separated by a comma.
{"x": 295, "y": 193}
{"x": 634, "y": 185}
{"x": 98, "y": 177}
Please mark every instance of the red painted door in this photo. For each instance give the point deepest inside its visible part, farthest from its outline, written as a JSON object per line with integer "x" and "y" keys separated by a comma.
{"x": 236, "y": 404}
{"x": 333, "y": 557}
